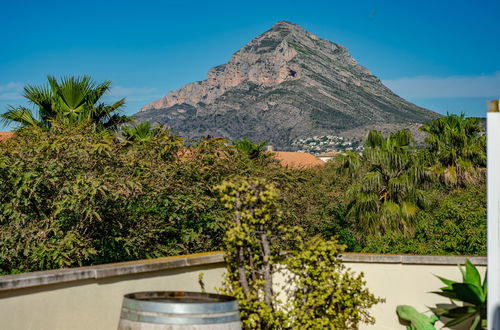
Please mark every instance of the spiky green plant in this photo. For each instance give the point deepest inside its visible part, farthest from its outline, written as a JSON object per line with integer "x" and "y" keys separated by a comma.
{"x": 71, "y": 101}
{"x": 253, "y": 150}
{"x": 471, "y": 293}
{"x": 141, "y": 133}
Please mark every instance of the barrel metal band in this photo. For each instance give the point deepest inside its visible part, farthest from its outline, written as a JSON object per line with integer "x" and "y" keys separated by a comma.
{"x": 180, "y": 308}
{"x": 179, "y": 320}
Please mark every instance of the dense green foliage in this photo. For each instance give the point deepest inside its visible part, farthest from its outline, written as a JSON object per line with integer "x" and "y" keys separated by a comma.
{"x": 80, "y": 196}
{"x": 457, "y": 148}
{"x": 74, "y": 192}
{"x": 321, "y": 292}
{"x": 454, "y": 223}
{"x": 396, "y": 204}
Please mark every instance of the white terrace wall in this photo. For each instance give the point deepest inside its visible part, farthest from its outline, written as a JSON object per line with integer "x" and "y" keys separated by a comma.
{"x": 90, "y": 297}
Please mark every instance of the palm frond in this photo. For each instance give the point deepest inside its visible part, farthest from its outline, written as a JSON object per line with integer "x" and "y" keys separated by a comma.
{"x": 141, "y": 133}
{"x": 98, "y": 91}
{"x": 374, "y": 139}
{"x": 115, "y": 121}
{"x": 21, "y": 116}
{"x": 454, "y": 139}
{"x": 385, "y": 198}
{"x": 349, "y": 163}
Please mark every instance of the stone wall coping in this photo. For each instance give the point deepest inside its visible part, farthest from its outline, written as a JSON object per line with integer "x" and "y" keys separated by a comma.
{"x": 42, "y": 278}
{"x": 409, "y": 259}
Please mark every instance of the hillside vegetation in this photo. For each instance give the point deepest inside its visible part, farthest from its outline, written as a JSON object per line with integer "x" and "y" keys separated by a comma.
{"x": 78, "y": 196}
{"x": 73, "y": 192}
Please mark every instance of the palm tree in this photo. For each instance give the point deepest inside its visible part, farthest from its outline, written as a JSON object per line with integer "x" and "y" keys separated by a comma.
{"x": 73, "y": 100}
{"x": 457, "y": 148}
{"x": 141, "y": 133}
{"x": 387, "y": 195}
{"x": 253, "y": 150}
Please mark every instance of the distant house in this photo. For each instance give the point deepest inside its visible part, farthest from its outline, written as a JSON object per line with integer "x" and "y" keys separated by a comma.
{"x": 6, "y": 135}
{"x": 297, "y": 160}
{"x": 328, "y": 155}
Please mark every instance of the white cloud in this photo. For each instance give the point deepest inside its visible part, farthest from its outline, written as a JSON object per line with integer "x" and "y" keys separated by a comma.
{"x": 133, "y": 93}
{"x": 446, "y": 87}
{"x": 11, "y": 91}
{"x": 137, "y": 94}
{"x": 124, "y": 91}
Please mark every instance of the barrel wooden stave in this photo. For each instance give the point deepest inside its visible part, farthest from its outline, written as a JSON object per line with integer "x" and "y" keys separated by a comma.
{"x": 131, "y": 325}
{"x": 163, "y": 310}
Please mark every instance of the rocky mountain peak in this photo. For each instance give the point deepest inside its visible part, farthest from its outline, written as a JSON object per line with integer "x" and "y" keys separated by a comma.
{"x": 274, "y": 37}
{"x": 289, "y": 81}
{"x": 265, "y": 60}
{"x": 287, "y": 26}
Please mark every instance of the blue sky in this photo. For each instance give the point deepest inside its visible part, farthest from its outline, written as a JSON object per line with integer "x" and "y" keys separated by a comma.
{"x": 443, "y": 55}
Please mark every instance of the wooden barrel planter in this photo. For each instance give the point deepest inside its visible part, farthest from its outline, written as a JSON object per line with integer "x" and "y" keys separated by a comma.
{"x": 162, "y": 310}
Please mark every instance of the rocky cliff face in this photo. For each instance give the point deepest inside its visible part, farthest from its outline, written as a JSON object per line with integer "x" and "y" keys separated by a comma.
{"x": 283, "y": 85}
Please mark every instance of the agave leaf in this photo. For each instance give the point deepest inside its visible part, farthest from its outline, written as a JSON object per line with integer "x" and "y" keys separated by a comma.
{"x": 445, "y": 281}
{"x": 458, "y": 320}
{"x": 471, "y": 274}
{"x": 462, "y": 270}
{"x": 406, "y": 312}
{"x": 459, "y": 311}
{"x": 447, "y": 294}
{"x": 476, "y": 324}
{"x": 469, "y": 293}
{"x": 438, "y": 310}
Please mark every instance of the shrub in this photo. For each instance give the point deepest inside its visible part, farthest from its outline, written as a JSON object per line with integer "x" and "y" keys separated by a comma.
{"x": 74, "y": 196}
{"x": 320, "y": 292}
{"x": 454, "y": 224}
{"x": 324, "y": 294}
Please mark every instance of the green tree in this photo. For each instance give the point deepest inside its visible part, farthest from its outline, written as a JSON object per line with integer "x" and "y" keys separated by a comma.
{"x": 72, "y": 100}
{"x": 253, "y": 150}
{"x": 321, "y": 292}
{"x": 387, "y": 195}
{"x": 141, "y": 133}
{"x": 457, "y": 147}
{"x": 251, "y": 258}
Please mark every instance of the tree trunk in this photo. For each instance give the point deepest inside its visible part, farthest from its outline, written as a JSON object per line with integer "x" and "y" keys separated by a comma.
{"x": 241, "y": 253}
{"x": 268, "y": 276}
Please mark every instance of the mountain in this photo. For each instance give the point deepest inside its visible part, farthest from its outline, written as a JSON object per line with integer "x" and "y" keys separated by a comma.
{"x": 284, "y": 85}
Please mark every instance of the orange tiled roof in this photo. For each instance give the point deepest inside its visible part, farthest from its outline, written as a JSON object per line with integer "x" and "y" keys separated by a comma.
{"x": 6, "y": 135}
{"x": 297, "y": 160}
